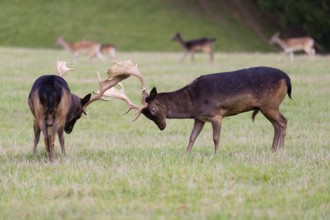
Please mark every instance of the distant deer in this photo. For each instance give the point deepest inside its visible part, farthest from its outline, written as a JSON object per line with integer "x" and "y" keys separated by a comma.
{"x": 204, "y": 45}
{"x": 92, "y": 49}
{"x": 56, "y": 109}
{"x": 292, "y": 45}
{"x": 108, "y": 49}
{"x": 210, "y": 98}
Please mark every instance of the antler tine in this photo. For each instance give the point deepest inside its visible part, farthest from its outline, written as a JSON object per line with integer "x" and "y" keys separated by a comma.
{"x": 62, "y": 68}
{"x": 144, "y": 104}
{"x": 119, "y": 94}
{"x": 104, "y": 86}
{"x": 129, "y": 68}
{"x": 118, "y": 72}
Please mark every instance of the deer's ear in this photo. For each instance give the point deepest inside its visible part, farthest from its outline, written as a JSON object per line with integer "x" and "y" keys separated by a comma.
{"x": 84, "y": 100}
{"x": 153, "y": 94}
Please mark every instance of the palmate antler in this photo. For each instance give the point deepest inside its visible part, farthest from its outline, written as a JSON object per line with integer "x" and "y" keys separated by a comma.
{"x": 62, "y": 68}
{"x": 119, "y": 71}
{"x": 118, "y": 94}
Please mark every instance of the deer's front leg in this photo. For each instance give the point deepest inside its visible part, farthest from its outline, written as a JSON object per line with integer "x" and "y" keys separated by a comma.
{"x": 216, "y": 126}
{"x": 198, "y": 126}
{"x": 184, "y": 55}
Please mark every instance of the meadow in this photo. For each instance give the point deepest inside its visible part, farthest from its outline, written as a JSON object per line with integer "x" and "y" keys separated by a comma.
{"x": 130, "y": 25}
{"x": 117, "y": 169}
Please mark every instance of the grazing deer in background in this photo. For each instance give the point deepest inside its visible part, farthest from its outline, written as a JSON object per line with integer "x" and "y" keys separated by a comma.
{"x": 92, "y": 49}
{"x": 210, "y": 98}
{"x": 56, "y": 109}
{"x": 292, "y": 45}
{"x": 204, "y": 45}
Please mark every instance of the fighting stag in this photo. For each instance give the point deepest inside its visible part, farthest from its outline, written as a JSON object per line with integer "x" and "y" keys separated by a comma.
{"x": 56, "y": 109}
{"x": 210, "y": 98}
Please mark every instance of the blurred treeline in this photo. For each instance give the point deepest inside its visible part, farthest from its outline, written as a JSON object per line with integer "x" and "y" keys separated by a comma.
{"x": 310, "y": 16}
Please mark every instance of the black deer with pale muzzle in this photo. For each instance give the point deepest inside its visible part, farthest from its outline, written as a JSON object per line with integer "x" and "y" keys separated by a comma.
{"x": 210, "y": 98}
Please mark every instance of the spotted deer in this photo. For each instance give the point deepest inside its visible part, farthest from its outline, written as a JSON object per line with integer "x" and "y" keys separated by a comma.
{"x": 89, "y": 48}
{"x": 292, "y": 45}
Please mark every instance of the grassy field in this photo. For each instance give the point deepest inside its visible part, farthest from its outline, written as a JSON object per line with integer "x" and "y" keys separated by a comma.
{"x": 130, "y": 25}
{"x": 116, "y": 169}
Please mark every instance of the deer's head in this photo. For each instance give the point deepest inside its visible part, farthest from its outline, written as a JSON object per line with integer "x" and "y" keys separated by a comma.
{"x": 177, "y": 37}
{"x": 155, "y": 110}
{"x": 75, "y": 112}
{"x": 274, "y": 38}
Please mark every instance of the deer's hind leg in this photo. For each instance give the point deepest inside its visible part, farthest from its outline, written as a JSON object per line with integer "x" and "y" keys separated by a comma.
{"x": 198, "y": 126}
{"x": 279, "y": 123}
{"x": 49, "y": 138}
{"x": 185, "y": 54}
{"x": 216, "y": 126}
{"x": 61, "y": 139}
{"x": 37, "y": 132}
{"x": 51, "y": 143}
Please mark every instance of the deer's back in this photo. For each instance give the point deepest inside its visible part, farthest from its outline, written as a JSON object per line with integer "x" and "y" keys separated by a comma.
{"x": 240, "y": 90}
{"x": 50, "y": 95}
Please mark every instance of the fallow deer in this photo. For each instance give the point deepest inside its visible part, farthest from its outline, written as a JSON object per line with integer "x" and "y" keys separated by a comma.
{"x": 108, "y": 49}
{"x": 292, "y": 45}
{"x": 92, "y": 49}
{"x": 56, "y": 109}
{"x": 210, "y": 98}
{"x": 204, "y": 45}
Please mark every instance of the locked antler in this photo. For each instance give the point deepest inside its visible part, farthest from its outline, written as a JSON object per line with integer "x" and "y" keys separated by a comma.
{"x": 119, "y": 71}
{"x": 118, "y": 94}
{"x": 62, "y": 68}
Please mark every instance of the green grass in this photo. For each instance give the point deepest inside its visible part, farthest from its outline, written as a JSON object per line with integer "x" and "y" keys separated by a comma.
{"x": 116, "y": 169}
{"x": 130, "y": 25}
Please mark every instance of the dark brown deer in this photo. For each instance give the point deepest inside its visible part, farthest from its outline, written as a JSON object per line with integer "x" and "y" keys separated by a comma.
{"x": 204, "y": 45}
{"x": 56, "y": 109}
{"x": 210, "y": 98}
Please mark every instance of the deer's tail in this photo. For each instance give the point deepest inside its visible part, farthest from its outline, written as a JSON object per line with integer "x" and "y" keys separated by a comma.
{"x": 255, "y": 112}
{"x": 49, "y": 99}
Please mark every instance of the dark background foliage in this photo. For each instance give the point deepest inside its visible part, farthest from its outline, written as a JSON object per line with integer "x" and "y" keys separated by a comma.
{"x": 312, "y": 17}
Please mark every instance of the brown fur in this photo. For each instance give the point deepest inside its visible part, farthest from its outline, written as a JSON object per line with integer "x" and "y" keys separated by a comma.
{"x": 55, "y": 110}
{"x": 292, "y": 45}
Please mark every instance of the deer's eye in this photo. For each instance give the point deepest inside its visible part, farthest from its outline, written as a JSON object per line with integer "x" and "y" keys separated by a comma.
{"x": 153, "y": 110}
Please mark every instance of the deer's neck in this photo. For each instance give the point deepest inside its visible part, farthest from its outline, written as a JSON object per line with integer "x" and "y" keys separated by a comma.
{"x": 75, "y": 106}
{"x": 181, "y": 41}
{"x": 178, "y": 104}
{"x": 282, "y": 43}
{"x": 67, "y": 45}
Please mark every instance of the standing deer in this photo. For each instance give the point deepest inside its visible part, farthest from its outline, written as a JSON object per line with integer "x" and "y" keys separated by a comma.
{"x": 210, "y": 98}
{"x": 204, "y": 45}
{"x": 56, "y": 109}
{"x": 108, "y": 49}
{"x": 92, "y": 49}
{"x": 292, "y": 45}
